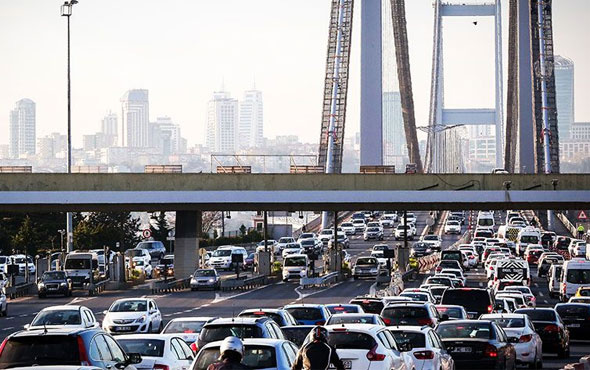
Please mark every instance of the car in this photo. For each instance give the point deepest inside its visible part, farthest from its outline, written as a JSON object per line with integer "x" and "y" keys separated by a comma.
{"x": 579, "y": 300}
{"x": 143, "y": 268}
{"x": 458, "y": 273}
{"x": 409, "y": 216}
{"x": 295, "y": 266}
{"x": 284, "y": 241}
{"x": 132, "y": 256}
{"x": 297, "y": 333}
{"x": 420, "y": 249}
{"x": 155, "y": 248}
{"x": 427, "y": 351}
{"x": 158, "y": 351}
{"x": 355, "y": 318}
{"x": 453, "y": 312}
{"x": 311, "y": 246}
{"x": 476, "y": 301}
{"x": 387, "y": 221}
{"x": 411, "y": 314}
{"x": 401, "y": 231}
{"x": 447, "y": 264}
{"x": 165, "y": 267}
{"x": 527, "y": 343}
{"x": 54, "y": 282}
{"x": 435, "y": 241}
{"x": 439, "y": 280}
{"x": 258, "y": 354}
{"x": 344, "y": 308}
{"x": 452, "y": 227}
{"x": 305, "y": 236}
{"x": 243, "y": 327}
{"x": 281, "y": 316}
{"x": 65, "y": 347}
{"x": 325, "y": 236}
{"x": 418, "y": 294}
{"x": 456, "y": 255}
{"x": 573, "y": 249}
{"x": 369, "y": 304}
{"x": 551, "y": 329}
{"x": 249, "y": 261}
{"x": 576, "y": 317}
{"x": 308, "y": 314}
{"x": 530, "y": 299}
{"x": 359, "y": 225}
{"x": 362, "y": 346}
{"x": 583, "y": 291}
{"x": 63, "y": 317}
{"x": 366, "y": 267}
{"x": 187, "y": 328}
{"x": 205, "y": 279}
{"x": 22, "y": 261}
{"x": 518, "y": 298}
{"x": 342, "y": 240}
{"x": 271, "y": 245}
{"x": 374, "y": 232}
{"x": 222, "y": 257}
{"x": 348, "y": 228}
{"x": 546, "y": 261}
{"x": 132, "y": 315}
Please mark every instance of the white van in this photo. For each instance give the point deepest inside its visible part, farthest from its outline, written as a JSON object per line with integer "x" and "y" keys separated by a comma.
{"x": 575, "y": 273}
{"x": 295, "y": 266}
{"x": 222, "y": 258}
{"x": 513, "y": 271}
{"x": 554, "y": 275}
{"x": 486, "y": 220}
{"x": 526, "y": 236}
{"x": 80, "y": 267}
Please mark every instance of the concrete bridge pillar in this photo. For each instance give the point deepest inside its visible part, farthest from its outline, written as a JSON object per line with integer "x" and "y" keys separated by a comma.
{"x": 186, "y": 248}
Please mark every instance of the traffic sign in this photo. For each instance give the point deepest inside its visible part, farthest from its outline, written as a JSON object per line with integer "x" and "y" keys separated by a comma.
{"x": 582, "y": 215}
{"x": 146, "y": 233}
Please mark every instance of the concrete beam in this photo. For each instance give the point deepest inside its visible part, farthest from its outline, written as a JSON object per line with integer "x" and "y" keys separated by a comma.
{"x": 469, "y": 117}
{"x": 470, "y": 10}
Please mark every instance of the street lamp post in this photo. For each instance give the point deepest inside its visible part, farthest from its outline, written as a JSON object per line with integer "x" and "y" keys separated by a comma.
{"x": 66, "y": 11}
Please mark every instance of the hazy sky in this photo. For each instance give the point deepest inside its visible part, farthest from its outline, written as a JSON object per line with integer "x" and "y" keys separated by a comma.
{"x": 182, "y": 50}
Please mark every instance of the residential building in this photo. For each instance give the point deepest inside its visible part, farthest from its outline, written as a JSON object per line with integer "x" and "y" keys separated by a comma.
{"x": 23, "y": 124}
{"x": 222, "y": 123}
{"x": 166, "y": 136}
{"x": 251, "y": 130}
{"x": 580, "y": 131}
{"x": 135, "y": 119}
{"x": 564, "y": 90}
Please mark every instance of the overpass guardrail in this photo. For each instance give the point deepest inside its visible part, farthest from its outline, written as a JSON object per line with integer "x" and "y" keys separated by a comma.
{"x": 170, "y": 286}
{"x": 20, "y": 290}
{"x": 244, "y": 284}
{"x": 322, "y": 281}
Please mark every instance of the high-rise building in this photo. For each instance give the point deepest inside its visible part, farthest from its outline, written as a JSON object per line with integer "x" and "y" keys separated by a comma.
{"x": 394, "y": 135}
{"x": 564, "y": 90}
{"x": 135, "y": 118}
{"x": 251, "y": 128}
{"x": 166, "y": 136}
{"x": 222, "y": 123}
{"x": 22, "y": 128}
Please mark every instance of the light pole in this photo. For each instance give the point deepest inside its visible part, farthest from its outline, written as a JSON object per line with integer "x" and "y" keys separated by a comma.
{"x": 66, "y": 11}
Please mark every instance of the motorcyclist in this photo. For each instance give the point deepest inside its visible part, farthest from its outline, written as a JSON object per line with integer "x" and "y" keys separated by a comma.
{"x": 317, "y": 354}
{"x": 232, "y": 352}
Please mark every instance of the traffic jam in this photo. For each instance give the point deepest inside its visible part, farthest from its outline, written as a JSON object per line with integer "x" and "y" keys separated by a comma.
{"x": 479, "y": 306}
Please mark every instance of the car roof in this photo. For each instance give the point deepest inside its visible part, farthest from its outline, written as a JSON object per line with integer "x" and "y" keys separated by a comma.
{"x": 252, "y": 342}
{"x": 303, "y": 305}
{"x": 63, "y": 308}
{"x": 353, "y": 315}
{"x": 277, "y": 310}
{"x": 52, "y": 331}
{"x": 504, "y": 316}
{"x": 190, "y": 319}
{"x": 409, "y": 328}
{"x": 237, "y": 320}
{"x": 407, "y": 304}
{"x": 356, "y": 327}
{"x": 164, "y": 336}
{"x": 132, "y": 299}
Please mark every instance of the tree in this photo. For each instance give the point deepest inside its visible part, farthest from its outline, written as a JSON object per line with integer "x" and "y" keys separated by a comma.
{"x": 24, "y": 239}
{"x": 45, "y": 230}
{"x": 209, "y": 219}
{"x": 107, "y": 228}
{"x": 243, "y": 230}
{"x": 159, "y": 226}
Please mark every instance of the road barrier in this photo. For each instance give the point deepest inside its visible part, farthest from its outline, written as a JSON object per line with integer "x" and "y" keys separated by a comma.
{"x": 20, "y": 290}
{"x": 427, "y": 263}
{"x": 244, "y": 284}
{"x": 96, "y": 288}
{"x": 322, "y": 281}
{"x": 170, "y": 286}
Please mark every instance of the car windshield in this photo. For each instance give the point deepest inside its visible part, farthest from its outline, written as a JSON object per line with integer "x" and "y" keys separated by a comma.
{"x": 431, "y": 237}
{"x": 505, "y": 322}
{"x": 529, "y": 239}
{"x": 53, "y": 275}
{"x": 306, "y": 313}
{"x": 575, "y": 310}
{"x": 372, "y": 229}
{"x": 343, "y": 309}
{"x": 472, "y": 300}
{"x": 347, "y": 224}
{"x": 202, "y": 273}
{"x": 578, "y": 276}
{"x": 77, "y": 264}
{"x": 285, "y": 240}
{"x": 417, "y": 340}
{"x": 129, "y": 306}
{"x": 366, "y": 261}
{"x": 419, "y": 297}
{"x": 57, "y": 317}
{"x": 214, "y": 333}
{"x": 369, "y": 305}
{"x": 306, "y": 236}
{"x": 307, "y": 242}
{"x": 58, "y": 350}
{"x": 351, "y": 319}
{"x": 255, "y": 357}
{"x": 186, "y": 327}
{"x": 538, "y": 314}
{"x": 145, "y": 347}
{"x": 222, "y": 253}
{"x": 465, "y": 330}
{"x": 146, "y": 245}
{"x": 327, "y": 232}
{"x": 295, "y": 261}
{"x": 453, "y": 223}
{"x": 167, "y": 261}
{"x": 351, "y": 340}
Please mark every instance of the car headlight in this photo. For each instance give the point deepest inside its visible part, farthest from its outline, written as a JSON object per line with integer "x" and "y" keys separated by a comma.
{"x": 212, "y": 280}
{"x": 41, "y": 285}
{"x": 141, "y": 319}
{"x": 373, "y": 270}
{"x": 63, "y": 284}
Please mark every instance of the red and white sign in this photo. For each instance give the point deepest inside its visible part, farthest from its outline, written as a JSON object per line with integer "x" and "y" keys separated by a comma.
{"x": 146, "y": 233}
{"x": 582, "y": 215}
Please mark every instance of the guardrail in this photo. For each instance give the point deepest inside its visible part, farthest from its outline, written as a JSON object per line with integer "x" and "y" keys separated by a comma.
{"x": 321, "y": 281}
{"x": 20, "y": 290}
{"x": 567, "y": 223}
{"x": 97, "y": 287}
{"x": 427, "y": 263}
{"x": 170, "y": 286}
{"x": 244, "y": 284}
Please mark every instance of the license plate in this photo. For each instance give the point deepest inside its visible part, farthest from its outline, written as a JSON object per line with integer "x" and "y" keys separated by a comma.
{"x": 124, "y": 328}
{"x": 347, "y": 364}
{"x": 573, "y": 325}
{"x": 462, "y": 349}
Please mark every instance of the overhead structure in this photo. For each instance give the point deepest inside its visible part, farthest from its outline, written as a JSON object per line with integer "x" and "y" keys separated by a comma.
{"x": 437, "y": 158}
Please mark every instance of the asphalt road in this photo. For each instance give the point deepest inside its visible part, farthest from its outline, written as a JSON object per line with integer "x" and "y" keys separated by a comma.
{"x": 225, "y": 304}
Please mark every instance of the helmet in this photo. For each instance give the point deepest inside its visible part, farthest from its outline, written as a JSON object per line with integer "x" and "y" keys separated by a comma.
{"x": 319, "y": 334}
{"x": 232, "y": 344}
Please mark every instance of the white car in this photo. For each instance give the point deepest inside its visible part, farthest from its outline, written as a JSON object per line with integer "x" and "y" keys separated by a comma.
{"x": 305, "y": 236}
{"x": 133, "y": 315}
{"x": 452, "y": 227}
{"x": 471, "y": 257}
{"x": 373, "y": 232}
{"x": 325, "y": 236}
{"x": 384, "y": 354}
{"x": 433, "y": 240}
{"x": 458, "y": 273}
{"x": 359, "y": 225}
{"x": 143, "y": 268}
{"x": 158, "y": 351}
{"x": 63, "y": 317}
{"x": 393, "y": 215}
{"x": 188, "y": 328}
{"x": 19, "y": 259}
{"x": 348, "y": 228}
{"x": 428, "y": 352}
{"x": 401, "y": 230}
{"x": 284, "y": 241}
{"x": 292, "y": 248}
{"x": 222, "y": 257}
{"x": 530, "y": 299}
{"x": 137, "y": 254}
{"x": 529, "y": 349}
{"x": 272, "y": 246}
{"x": 387, "y": 221}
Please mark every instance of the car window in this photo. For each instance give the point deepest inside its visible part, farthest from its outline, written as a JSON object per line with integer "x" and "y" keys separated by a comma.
{"x": 289, "y": 353}
{"x": 277, "y": 329}
{"x": 175, "y": 350}
{"x": 188, "y": 352}
{"x": 99, "y": 350}
{"x": 391, "y": 340}
{"x": 118, "y": 354}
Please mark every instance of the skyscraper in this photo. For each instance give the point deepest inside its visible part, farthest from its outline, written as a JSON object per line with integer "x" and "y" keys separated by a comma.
{"x": 109, "y": 128}
{"x": 168, "y": 136}
{"x": 222, "y": 123}
{"x": 22, "y": 128}
{"x": 135, "y": 118}
{"x": 394, "y": 135}
{"x": 564, "y": 90}
{"x": 251, "y": 128}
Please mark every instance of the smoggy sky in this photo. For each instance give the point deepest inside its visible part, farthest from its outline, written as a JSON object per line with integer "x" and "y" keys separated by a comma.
{"x": 182, "y": 50}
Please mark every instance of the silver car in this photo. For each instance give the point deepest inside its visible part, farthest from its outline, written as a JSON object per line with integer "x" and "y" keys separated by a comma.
{"x": 205, "y": 279}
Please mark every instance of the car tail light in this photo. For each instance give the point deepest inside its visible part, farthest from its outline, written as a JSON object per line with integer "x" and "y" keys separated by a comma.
{"x": 490, "y": 308}
{"x": 2, "y": 345}
{"x": 82, "y": 352}
{"x": 424, "y": 355}
{"x": 525, "y": 338}
{"x": 372, "y": 355}
{"x": 424, "y": 322}
{"x": 161, "y": 367}
{"x": 490, "y": 351}
{"x": 551, "y": 328}
{"x": 319, "y": 323}
{"x": 387, "y": 321}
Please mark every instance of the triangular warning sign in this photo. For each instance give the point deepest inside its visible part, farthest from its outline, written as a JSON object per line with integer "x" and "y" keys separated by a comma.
{"x": 582, "y": 215}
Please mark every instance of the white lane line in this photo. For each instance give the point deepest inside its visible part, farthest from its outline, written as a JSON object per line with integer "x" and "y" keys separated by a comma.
{"x": 540, "y": 294}
{"x": 9, "y": 318}
{"x": 545, "y": 301}
{"x": 9, "y": 328}
{"x": 373, "y": 289}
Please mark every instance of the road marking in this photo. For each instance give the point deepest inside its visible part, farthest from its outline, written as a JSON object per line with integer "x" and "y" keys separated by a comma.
{"x": 9, "y": 328}
{"x": 545, "y": 301}
{"x": 536, "y": 285}
{"x": 540, "y": 294}
{"x": 373, "y": 289}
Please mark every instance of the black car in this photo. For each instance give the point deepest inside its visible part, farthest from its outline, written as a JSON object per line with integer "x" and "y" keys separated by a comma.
{"x": 478, "y": 344}
{"x": 576, "y": 317}
{"x": 411, "y": 314}
{"x": 369, "y": 304}
{"x": 166, "y": 266}
{"x": 421, "y": 249}
{"x": 475, "y": 301}
{"x": 54, "y": 282}
{"x": 551, "y": 329}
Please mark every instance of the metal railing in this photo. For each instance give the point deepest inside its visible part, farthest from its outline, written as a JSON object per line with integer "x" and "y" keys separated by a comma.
{"x": 321, "y": 281}
{"x": 244, "y": 284}
{"x": 170, "y": 286}
{"x": 20, "y": 290}
{"x": 96, "y": 288}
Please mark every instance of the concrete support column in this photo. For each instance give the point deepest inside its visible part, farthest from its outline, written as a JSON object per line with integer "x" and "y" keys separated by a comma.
{"x": 186, "y": 250}
{"x": 525, "y": 88}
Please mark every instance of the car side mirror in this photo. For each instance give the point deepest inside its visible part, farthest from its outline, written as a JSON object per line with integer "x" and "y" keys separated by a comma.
{"x": 405, "y": 347}
{"x": 190, "y": 276}
{"x": 444, "y": 317}
{"x": 26, "y": 326}
{"x": 104, "y": 312}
